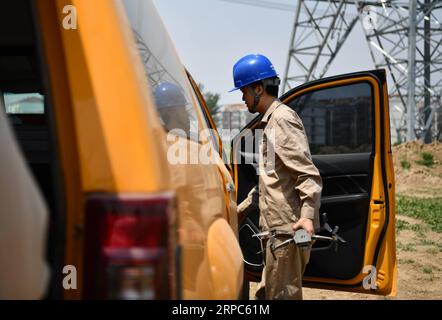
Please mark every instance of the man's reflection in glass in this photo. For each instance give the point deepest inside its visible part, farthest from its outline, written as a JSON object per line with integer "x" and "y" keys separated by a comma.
{"x": 171, "y": 104}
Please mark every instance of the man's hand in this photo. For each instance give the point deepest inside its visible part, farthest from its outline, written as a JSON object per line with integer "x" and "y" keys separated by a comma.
{"x": 306, "y": 224}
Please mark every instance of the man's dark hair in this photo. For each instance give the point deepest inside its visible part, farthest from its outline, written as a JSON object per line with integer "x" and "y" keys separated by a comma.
{"x": 271, "y": 90}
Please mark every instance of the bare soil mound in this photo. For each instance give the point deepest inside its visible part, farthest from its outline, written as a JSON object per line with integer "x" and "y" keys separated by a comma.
{"x": 413, "y": 177}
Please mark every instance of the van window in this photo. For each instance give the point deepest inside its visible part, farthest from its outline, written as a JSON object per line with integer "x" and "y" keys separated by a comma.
{"x": 337, "y": 120}
{"x": 164, "y": 71}
{"x": 23, "y": 103}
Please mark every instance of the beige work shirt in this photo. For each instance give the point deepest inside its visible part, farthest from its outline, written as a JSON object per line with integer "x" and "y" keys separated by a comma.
{"x": 289, "y": 183}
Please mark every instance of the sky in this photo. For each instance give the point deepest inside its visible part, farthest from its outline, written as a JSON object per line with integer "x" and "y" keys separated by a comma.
{"x": 211, "y": 35}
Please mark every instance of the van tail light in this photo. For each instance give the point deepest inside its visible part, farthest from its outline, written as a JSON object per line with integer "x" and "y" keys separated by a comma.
{"x": 128, "y": 246}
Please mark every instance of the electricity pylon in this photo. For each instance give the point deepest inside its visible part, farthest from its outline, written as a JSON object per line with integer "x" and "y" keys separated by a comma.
{"x": 404, "y": 37}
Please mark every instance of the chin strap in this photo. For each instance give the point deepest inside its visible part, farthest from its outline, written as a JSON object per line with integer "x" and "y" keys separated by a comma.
{"x": 256, "y": 98}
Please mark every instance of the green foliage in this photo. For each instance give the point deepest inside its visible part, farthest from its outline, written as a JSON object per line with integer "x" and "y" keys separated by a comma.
{"x": 426, "y": 242}
{"x": 432, "y": 250}
{"x": 402, "y": 225}
{"x": 427, "y": 270}
{"x": 406, "y": 247}
{"x": 427, "y": 210}
{"x": 212, "y": 100}
{"x": 420, "y": 230}
{"x": 406, "y": 261}
{"x": 427, "y": 159}
{"x": 405, "y": 164}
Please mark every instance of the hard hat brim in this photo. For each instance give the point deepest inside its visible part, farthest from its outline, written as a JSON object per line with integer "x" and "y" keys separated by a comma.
{"x": 250, "y": 82}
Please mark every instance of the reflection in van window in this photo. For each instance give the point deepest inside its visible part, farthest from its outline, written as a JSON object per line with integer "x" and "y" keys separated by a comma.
{"x": 23, "y": 103}
{"x": 337, "y": 120}
{"x": 164, "y": 71}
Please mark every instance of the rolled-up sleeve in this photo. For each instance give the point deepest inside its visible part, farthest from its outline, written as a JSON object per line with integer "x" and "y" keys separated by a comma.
{"x": 292, "y": 148}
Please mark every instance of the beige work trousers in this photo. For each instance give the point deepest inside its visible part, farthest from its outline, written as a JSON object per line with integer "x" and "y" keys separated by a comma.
{"x": 282, "y": 277}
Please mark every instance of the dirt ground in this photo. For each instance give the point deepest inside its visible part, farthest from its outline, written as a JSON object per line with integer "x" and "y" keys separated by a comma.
{"x": 419, "y": 253}
{"x": 418, "y": 180}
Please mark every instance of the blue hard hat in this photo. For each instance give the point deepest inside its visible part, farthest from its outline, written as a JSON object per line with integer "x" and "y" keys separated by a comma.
{"x": 250, "y": 69}
{"x": 168, "y": 94}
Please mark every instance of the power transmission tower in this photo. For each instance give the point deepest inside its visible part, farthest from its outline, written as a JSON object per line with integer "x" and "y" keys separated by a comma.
{"x": 320, "y": 30}
{"x": 155, "y": 71}
{"x": 404, "y": 37}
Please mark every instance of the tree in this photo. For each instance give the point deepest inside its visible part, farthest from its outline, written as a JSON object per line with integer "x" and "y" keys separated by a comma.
{"x": 212, "y": 100}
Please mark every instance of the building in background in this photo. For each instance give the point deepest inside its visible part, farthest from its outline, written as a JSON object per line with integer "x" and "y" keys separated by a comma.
{"x": 235, "y": 116}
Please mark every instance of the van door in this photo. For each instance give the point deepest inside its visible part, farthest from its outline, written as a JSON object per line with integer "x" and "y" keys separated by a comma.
{"x": 346, "y": 119}
{"x": 222, "y": 161}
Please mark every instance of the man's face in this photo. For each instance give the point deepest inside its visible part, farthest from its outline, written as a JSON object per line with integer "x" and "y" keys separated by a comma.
{"x": 248, "y": 96}
{"x": 175, "y": 118}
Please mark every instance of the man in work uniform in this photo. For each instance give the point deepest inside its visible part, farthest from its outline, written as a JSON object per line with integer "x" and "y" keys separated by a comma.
{"x": 289, "y": 188}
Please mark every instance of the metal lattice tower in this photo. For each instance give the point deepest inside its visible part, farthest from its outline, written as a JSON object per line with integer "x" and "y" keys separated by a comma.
{"x": 404, "y": 37}
{"x": 155, "y": 71}
{"x": 320, "y": 30}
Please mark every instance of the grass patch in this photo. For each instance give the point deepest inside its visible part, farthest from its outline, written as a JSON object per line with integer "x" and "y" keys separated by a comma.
{"x": 426, "y": 242}
{"x": 419, "y": 229}
{"x": 427, "y": 270}
{"x": 432, "y": 250}
{"x": 427, "y": 159}
{"x": 427, "y": 210}
{"x": 406, "y": 247}
{"x": 405, "y": 165}
{"x": 402, "y": 225}
{"x": 406, "y": 261}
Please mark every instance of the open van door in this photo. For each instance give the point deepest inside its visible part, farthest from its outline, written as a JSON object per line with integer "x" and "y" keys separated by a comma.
{"x": 346, "y": 119}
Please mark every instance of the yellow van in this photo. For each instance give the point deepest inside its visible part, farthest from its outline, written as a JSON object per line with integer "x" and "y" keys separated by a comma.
{"x": 85, "y": 87}
{"x": 91, "y": 90}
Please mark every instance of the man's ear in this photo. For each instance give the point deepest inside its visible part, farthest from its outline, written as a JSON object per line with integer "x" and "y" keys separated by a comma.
{"x": 259, "y": 89}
